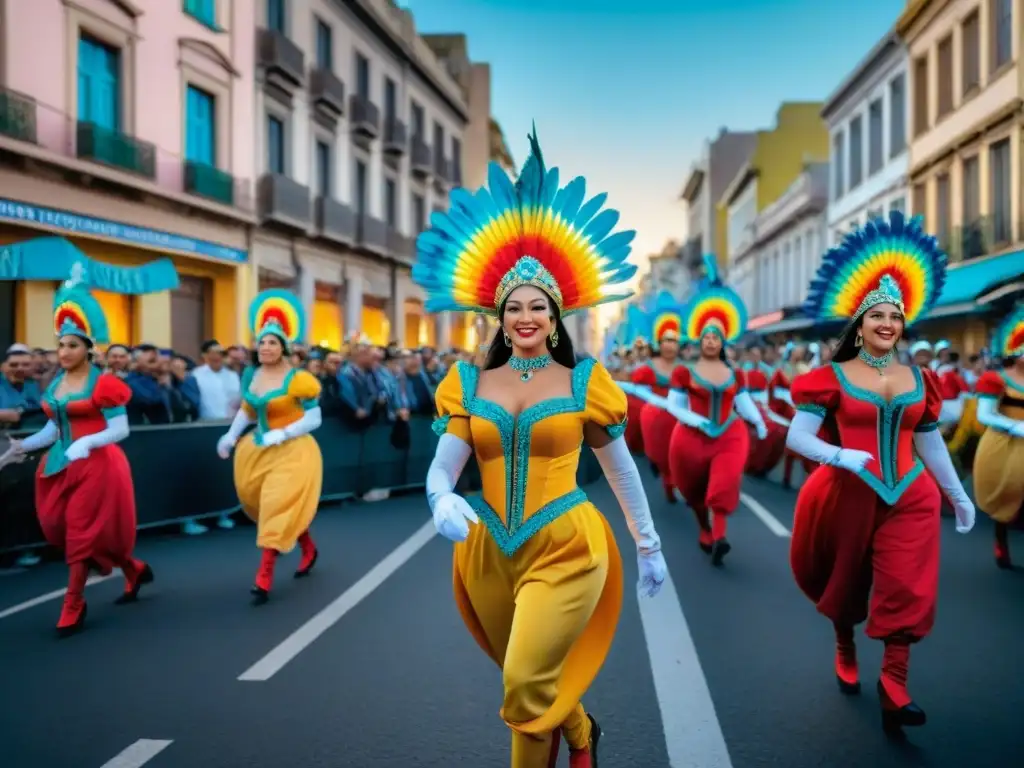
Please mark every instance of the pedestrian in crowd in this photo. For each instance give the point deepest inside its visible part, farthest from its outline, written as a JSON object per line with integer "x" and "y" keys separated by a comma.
{"x": 20, "y": 395}
{"x": 420, "y": 388}
{"x": 118, "y": 360}
{"x": 151, "y": 390}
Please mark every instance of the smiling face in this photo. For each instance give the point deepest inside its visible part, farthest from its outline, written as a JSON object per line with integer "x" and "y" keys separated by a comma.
{"x": 528, "y": 319}
{"x": 881, "y": 328}
{"x": 270, "y": 350}
{"x": 71, "y": 351}
{"x": 710, "y": 345}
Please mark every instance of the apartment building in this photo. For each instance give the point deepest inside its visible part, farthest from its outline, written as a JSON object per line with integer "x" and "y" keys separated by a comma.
{"x": 125, "y": 136}
{"x": 359, "y": 138}
{"x": 867, "y": 118}
{"x": 967, "y": 130}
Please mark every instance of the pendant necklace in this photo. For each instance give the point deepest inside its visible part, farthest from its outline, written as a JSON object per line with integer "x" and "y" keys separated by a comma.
{"x": 528, "y": 365}
{"x": 878, "y": 363}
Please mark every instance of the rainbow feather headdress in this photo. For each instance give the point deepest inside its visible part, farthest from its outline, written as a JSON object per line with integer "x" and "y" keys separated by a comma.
{"x": 1008, "y": 340}
{"x": 280, "y": 313}
{"x": 714, "y": 308}
{"x": 527, "y": 232}
{"x": 884, "y": 262}
{"x": 76, "y": 312}
{"x": 666, "y": 319}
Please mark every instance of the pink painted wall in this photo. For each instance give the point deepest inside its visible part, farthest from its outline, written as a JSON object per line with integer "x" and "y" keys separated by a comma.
{"x": 40, "y": 42}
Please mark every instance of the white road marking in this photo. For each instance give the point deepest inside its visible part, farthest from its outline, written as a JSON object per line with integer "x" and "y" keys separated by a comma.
{"x": 51, "y": 596}
{"x": 138, "y": 754}
{"x": 304, "y": 636}
{"x": 693, "y": 735}
{"x": 765, "y": 516}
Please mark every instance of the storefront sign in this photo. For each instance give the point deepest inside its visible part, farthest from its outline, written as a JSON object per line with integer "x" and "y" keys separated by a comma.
{"x": 86, "y": 226}
{"x": 52, "y": 258}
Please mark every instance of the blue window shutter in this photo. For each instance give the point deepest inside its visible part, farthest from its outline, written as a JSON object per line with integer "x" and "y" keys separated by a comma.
{"x": 201, "y": 127}
{"x": 99, "y": 84}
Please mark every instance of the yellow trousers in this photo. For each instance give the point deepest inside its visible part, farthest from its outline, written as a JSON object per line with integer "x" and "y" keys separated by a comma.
{"x": 547, "y": 616}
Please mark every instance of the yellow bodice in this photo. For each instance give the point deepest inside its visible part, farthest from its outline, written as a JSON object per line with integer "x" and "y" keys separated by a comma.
{"x": 528, "y": 462}
{"x": 279, "y": 407}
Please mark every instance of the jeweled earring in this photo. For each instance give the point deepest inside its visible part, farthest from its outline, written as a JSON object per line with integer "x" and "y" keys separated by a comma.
{"x": 508, "y": 339}
{"x": 859, "y": 341}
{"x": 554, "y": 338}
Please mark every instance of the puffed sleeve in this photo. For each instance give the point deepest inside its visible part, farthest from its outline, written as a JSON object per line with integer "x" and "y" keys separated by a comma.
{"x": 110, "y": 395}
{"x": 741, "y": 379}
{"x": 680, "y": 379}
{"x": 644, "y": 376}
{"x": 932, "y": 403}
{"x": 452, "y": 417}
{"x": 990, "y": 384}
{"x": 305, "y": 387}
{"x": 247, "y": 375}
{"x": 816, "y": 391}
{"x": 606, "y": 402}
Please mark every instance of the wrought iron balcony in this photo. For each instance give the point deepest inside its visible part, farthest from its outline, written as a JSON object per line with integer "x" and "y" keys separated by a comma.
{"x": 372, "y": 234}
{"x": 442, "y": 168}
{"x": 335, "y": 221}
{"x": 364, "y": 116}
{"x": 327, "y": 91}
{"x": 421, "y": 160}
{"x": 985, "y": 235}
{"x": 207, "y": 181}
{"x": 280, "y": 56}
{"x": 395, "y": 137}
{"x": 18, "y": 116}
{"x": 283, "y": 201}
{"x": 115, "y": 149}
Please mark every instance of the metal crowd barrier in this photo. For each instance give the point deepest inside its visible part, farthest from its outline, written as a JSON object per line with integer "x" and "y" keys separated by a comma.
{"x": 178, "y": 475}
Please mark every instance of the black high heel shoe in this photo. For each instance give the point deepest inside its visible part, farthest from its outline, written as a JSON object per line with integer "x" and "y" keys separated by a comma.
{"x": 895, "y": 719}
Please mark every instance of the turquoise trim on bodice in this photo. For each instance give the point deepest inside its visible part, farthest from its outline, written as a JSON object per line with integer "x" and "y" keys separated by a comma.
{"x": 56, "y": 461}
{"x": 890, "y": 418}
{"x": 659, "y": 379}
{"x": 259, "y": 403}
{"x": 515, "y": 433}
{"x": 717, "y": 392}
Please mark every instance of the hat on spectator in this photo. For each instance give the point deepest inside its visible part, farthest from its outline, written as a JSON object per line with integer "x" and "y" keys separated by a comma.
{"x": 77, "y": 313}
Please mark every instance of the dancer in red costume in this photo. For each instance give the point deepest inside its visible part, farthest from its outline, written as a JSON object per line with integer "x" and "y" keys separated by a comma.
{"x": 84, "y": 494}
{"x": 764, "y": 454}
{"x": 709, "y": 447}
{"x": 866, "y": 530}
{"x": 781, "y": 402}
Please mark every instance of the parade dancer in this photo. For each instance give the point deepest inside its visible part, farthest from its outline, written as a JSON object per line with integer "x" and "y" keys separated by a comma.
{"x": 781, "y": 402}
{"x": 999, "y": 461}
{"x": 278, "y": 467}
{"x": 537, "y": 573}
{"x": 709, "y": 447}
{"x": 764, "y": 454}
{"x": 84, "y": 495}
{"x": 866, "y": 529}
{"x": 635, "y": 320}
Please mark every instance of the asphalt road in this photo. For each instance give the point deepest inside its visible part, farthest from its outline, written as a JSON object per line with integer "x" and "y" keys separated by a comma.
{"x": 743, "y": 662}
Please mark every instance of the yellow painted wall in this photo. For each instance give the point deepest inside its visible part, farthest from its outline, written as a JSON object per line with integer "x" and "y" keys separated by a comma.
{"x": 800, "y": 137}
{"x": 413, "y": 330}
{"x": 375, "y": 325}
{"x": 120, "y": 313}
{"x": 33, "y": 319}
{"x": 327, "y": 325}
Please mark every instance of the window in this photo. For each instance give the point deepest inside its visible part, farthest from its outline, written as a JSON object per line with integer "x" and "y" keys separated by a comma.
{"x": 323, "y": 169}
{"x": 276, "y": 15}
{"x": 941, "y": 224}
{"x": 875, "y": 214}
{"x": 920, "y": 200}
{"x": 324, "y": 46}
{"x": 838, "y": 163}
{"x": 899, "y": 204}
{"x": 945, "y": 76}
{"x": 359, "y": 181}
{"x": 390, "y": 100}
{"x": 202, "y": 10}
{"x": 99, "y": 84}
{"x": 921, "y": 95}
{"x": 419, "y": 214}
{"x": 897, "y": 115}
{"x": 1002, "y": 32}
{"x": 971, "y": 53}
{"x": 971, "y": 192}
{"x": 876, "y": 135}
{"x": 419, "y": 122}
{"x": 439, "y": 158}
{"x": 1000, "y": 200}
{"x": 275, "y": 145}
{"x": 200, "y": 127}
{"x": 362, "y": 76}
{"x": 856, "y": 151}
{"x": 391, "y": 203}
{"x": 456, "y": 159}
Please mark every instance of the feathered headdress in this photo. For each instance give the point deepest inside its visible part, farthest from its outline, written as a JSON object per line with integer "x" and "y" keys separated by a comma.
{"x": 1008, "y": 340}
{"x": 884, "y": 262}
{"x": 277, "y": 312}
{"x": 527, "y": 232}
{"x": 76, "y": 312}
{"x": 714, "y": 308}
{"x": 666, "y": 319}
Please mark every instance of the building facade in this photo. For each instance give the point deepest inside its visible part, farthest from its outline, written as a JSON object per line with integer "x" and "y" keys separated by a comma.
{"x": 967, "y": 130}
{"x": 867, "y": 118}
{"x": 128, "y": 134}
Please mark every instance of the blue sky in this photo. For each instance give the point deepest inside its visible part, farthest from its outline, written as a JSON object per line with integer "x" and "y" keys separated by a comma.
{"x": 625, "y": 92}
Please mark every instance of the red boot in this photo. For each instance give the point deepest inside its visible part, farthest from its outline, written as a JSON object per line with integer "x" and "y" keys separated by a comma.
{"x": 898, "y": 709}
{"x": 720, "y": 546}
{"x": 264, "y": 577}
{"x": 587, "y": 757}
{"x": 72, "y": 614}
{"x": 309, "y": 555}
{"x": 847, "y": 673}
{"x": 1002, "y": 548}
{"x": 136, "y": 573}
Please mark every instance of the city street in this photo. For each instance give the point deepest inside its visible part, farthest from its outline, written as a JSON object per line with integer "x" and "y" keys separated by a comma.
{"x": 367, "y": 663}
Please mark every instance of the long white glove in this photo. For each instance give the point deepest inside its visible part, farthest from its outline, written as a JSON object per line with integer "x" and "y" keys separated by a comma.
{"x": 44, "y": 438}
{"x": 773, "y": 416}
{"x": 624, "y": 478}
{"x": 803, "y": 439}
{"x": 781, "y": 393}
{"x": 310, "y": 420}
{"x": 760, "y": 397}
{"x": 935, "y": 455}
{"x": 452, "y": 513}
{"x": 641, "y": 392}
{"x": 230, "y": 438}
{"x": 951, "y": 410}
{"x": 750, "y": 413}
{"x": 116, "y": 431}
{"x": 679, "y": 406}
{"x": 989, "y": 415}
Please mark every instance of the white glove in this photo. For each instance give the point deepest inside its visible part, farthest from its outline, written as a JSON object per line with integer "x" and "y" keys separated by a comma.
{"x": 452, "y": 517}
{"x": 77, "y": 450}
{"x": 273, "y": 437}
{"x": 1017, "y": 430}
{"x": 652, "y": 570}
{"x": 762, "y": 431}
{"x": 964, "y": 511}
{"x": 851, "y": 460}
{"x": 803, "y": 439}
{"x": 933, "y": 452}
{"x": 225, "y": 445}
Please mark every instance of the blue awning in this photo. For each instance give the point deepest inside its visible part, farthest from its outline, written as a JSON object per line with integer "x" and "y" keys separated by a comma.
{"x": 967, "y": 280}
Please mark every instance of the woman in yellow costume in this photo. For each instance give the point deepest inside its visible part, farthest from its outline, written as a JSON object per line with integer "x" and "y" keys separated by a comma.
{"x": 278, "y": 468}
{"x": 999, "y": 462}
{"x": 537, "y": 574}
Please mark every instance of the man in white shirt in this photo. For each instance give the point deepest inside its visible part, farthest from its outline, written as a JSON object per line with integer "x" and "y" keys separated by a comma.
{"x": 219, "y": 387}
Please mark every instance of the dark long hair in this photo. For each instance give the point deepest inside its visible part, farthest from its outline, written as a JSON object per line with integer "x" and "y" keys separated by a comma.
{"x": 499, "y": 352}
{"x": 846, "y": 348}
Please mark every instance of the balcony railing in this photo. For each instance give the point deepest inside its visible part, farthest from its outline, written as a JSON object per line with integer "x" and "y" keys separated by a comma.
{"x": 395, "y": 137}
{"x": 327, "y": 91}
{"x": 371, "y": 233}
{"x": 334, "y": 220}
{"x": 985, "y": 235}
{"x": 364, "y": 116}
{"x": 207, "y": 181}
{"x": 276, "y": 53}
{"x": 400, "y": 247}
{"x": 422, "y": 158}
{"x": 51, "y": 137}
{"x": 284, "y": 200}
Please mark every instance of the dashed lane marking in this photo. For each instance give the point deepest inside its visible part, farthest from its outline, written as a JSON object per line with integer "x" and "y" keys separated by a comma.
{"x": 138, "y": 754}
{"x": 765, "y": 516}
